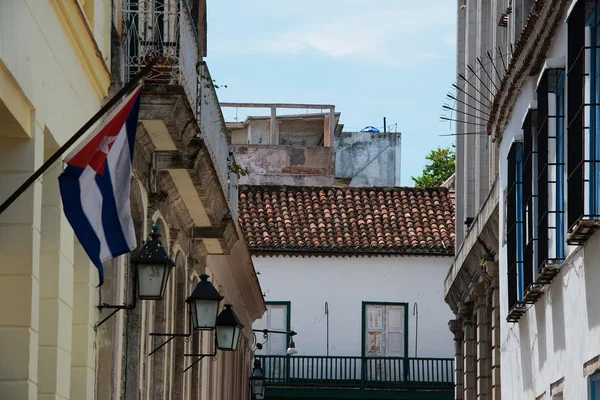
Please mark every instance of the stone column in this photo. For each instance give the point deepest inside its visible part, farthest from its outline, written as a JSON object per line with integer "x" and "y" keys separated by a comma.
{"x": 85, "y": 315}
{"x": 469, "y": 351}
{"x": 479, "y": 295}
{"x": 494, "y": 295}
{"x": 455, "y": 326}
{"x": 20, "y": 227}
{"x": 56, "y": 294}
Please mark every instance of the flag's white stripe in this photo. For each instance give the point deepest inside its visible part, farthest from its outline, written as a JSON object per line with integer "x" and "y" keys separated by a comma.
{"x": 101, "y": 126}
{"x": 91, "y": 203}
{"x": 119, "y": 165}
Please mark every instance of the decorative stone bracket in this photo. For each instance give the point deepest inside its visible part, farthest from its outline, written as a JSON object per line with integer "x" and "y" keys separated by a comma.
{"x": 226, "y": 234}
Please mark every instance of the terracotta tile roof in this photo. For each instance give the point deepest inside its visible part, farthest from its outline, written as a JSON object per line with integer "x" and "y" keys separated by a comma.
{"x": 399, "y": 220}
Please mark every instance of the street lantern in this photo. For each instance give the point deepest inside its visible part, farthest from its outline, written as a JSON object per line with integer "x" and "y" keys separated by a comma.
{"x": 228, "y": 329}
{"x": 292, "y": 347}
{"x": 153, "y": 266}
{"x": 204, "y": 303}
{"x": 257, "y": 382}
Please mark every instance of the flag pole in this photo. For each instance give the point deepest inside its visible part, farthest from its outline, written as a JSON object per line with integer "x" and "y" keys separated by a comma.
{"x": 110, "y": 104}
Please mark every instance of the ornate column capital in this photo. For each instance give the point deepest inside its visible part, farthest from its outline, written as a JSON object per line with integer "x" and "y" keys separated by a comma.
{"x": 456, "y": 327}
{"x": 478, "y": 293}
{"x": 465, "y": 309}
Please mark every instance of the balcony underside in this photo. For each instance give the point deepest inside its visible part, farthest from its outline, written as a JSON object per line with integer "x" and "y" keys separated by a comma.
{"x": 516, "y": 312}
{"x": 285, "y": 393}
{"x": 175, "y": 160}
{"x": 583, "y": 229}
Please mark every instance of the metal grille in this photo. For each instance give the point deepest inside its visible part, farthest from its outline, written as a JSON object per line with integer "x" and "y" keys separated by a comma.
{"x": 542, "y": 172}
{"x": 529, "y": 199}
{"x": 511, "y": 242}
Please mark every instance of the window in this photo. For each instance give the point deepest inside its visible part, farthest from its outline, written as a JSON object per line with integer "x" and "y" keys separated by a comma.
{"x": 277, "y": 318}
{"x": 519, "y": 223}
{"x": 385, "y": 329}
{"x": 559, "y": 151}
{"x": 549, "y": 189}
{"x": 514, "y": 219}
{"x": 593, "y": 22}
{"x": 575, "y": 114}
{"x": 526, "y": 165}
{"x": 595, "y": 386}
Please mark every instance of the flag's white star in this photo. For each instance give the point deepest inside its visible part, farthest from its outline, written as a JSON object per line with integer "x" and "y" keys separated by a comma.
{"x": 106, "y": 142}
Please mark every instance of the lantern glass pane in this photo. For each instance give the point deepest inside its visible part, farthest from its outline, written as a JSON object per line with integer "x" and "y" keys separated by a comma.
{"x": 151, "y": 279}
{"x": 225, "y": 336}
{"x": 257, "y": 387}
{"x": 205, "y": 313}
{"x": 236, "y": 337}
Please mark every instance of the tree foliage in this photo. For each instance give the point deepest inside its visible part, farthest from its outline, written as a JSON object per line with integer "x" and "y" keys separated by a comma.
{"x": 440, "y": 167}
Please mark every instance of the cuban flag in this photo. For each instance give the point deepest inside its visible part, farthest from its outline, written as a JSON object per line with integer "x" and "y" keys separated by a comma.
{"x": 95, "y": 185}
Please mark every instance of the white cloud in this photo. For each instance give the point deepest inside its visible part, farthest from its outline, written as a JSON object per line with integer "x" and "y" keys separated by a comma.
{"x": 395, "y": 33}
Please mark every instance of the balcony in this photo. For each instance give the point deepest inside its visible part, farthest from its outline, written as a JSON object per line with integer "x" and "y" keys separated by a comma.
{"x": 182, "y": 139}
{"x": 358, "y": 377}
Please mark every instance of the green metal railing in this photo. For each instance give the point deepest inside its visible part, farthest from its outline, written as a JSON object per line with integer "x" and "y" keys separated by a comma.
{"x": 358, "y": 372}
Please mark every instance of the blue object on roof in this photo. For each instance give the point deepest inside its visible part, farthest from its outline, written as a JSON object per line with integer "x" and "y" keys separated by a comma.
{"x": 370, "y": 129}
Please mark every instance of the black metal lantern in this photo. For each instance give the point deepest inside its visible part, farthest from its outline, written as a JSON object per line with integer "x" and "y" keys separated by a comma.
{"x": 204, "y": 303}
{"x": 291, "y": 351}
{"x": 257, "y": 382}
{"x": 153, "y": 266}
{"x": 228, "y": 330}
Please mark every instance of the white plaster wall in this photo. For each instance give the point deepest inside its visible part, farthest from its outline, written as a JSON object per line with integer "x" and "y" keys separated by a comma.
{"x": 561, "y": 332}
{"x": 345, "y": 283}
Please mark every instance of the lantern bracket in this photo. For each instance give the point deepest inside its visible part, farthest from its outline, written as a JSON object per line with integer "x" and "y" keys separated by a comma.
{"x": 258, "y": 346}
{"x": 171, "y": 336}
{"x": 201, "y": 356}
{"x": 116, "y": 308}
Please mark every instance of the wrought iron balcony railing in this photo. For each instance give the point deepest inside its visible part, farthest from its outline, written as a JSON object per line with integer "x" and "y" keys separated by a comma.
{"x": 164, "y": 30}
{"x": 358, "y": 372}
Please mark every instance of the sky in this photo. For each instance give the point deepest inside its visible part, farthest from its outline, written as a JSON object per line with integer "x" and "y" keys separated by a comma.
{"x": 371, "y": 59}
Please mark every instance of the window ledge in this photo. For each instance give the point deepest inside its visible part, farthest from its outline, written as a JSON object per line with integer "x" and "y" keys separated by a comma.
{"x": 533, "y": 293}
{"x": 582, "y": 230}
{"x": 516, "y": 312}
{"x": 550, "y": 269}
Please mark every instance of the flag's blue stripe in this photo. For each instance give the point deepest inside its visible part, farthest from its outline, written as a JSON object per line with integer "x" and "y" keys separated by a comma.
{"x": 110, "y": 217}
{"x": 70, "y": 192}
{"x": 131, "y": 124}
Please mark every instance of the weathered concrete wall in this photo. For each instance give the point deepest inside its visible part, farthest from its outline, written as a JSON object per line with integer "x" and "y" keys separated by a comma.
{"x": 286, "y": 165}
{"x": 370, "y": 159}
{"x": 298, "y": 132}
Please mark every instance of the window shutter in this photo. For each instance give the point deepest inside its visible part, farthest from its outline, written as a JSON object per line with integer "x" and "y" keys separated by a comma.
{"x": 277, "y": 317}
{"x": 374, "y": 330}
{"x": 394, "y": 345}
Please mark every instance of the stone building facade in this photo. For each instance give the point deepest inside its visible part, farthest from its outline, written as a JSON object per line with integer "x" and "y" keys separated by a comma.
{"x": 523, "y": 284}
{"x": 485, "y": 32}
{"x": 54, "y": 343}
